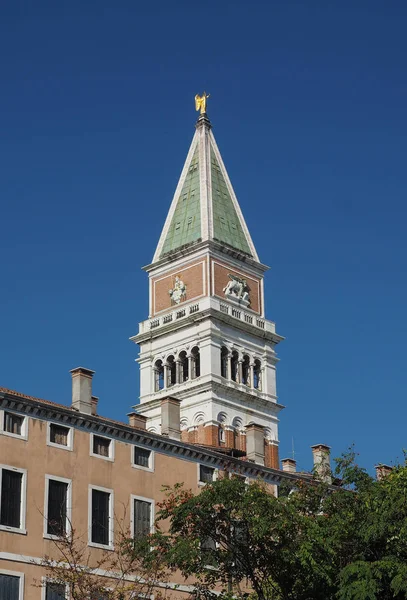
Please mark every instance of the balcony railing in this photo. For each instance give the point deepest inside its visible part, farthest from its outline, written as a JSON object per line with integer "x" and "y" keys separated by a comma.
{"x": 182, "y": 312}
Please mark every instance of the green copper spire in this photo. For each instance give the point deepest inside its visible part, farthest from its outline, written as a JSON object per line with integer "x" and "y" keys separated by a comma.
{"x": 204, "y": 206}
{"x": 185, "y": 225}
{"x": 227, "y": 228}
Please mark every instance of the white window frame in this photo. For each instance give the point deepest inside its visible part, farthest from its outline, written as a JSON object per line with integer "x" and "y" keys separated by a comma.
{"x": 23, "y": 506}
{"x": 110, "y": 545}
{"x": 24, "y": 426}
{"x": 18, "y": 574}
{"x": 68, "y": 525}
{"x": 152, "y": 512}
{"x": 111, "y": 447}
{"x": 54, "y": 444}
{"x": 215, "y": 474}
{"x": 150, "y": 467}
{"x": 45, "y": 580}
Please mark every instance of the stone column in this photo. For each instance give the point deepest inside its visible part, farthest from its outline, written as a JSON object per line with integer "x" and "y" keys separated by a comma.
{"x": 252, "y": 376}
{"x": 229, "y": 366}
{"x": 191, "y": 375}
{"x": 165, "y": 376}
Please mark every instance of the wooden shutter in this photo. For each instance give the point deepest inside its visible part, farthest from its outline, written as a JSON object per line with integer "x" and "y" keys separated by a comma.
{"x": 9, "y": 587}
{"x": 55, "y": 591}
{"x": 10, "y": 513}
{"x": 100, "y": 517}
{"x": 142, "y": 518}
{"x": 141, "y": 457}
{"x": 57, "y": 496}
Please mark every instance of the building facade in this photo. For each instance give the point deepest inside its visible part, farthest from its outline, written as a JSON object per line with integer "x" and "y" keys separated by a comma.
{"x": 208, "y": 400}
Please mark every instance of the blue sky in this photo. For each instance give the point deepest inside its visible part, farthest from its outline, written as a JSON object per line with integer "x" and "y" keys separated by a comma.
{"x": 308, "y": 103}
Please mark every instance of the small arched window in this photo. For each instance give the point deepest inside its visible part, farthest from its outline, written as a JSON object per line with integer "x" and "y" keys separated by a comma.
{"x": 183, "y": 367}
{"x": 221, "y": 435}
{"x": 246, "y": 370}
{"x": 257, "y": 374}
{"x": 196, "y": 362}
{"x": 158, "y": 375}
{"x": 234, "y": 366}
{"x": 224, "y": 353}
{"x": 172, "y": 371}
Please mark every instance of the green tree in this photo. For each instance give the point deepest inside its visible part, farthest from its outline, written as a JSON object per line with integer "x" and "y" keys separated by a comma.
{"x": 314, "y": 541}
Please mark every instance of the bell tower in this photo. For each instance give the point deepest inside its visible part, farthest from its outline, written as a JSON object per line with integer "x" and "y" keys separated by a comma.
{"x": 206, "y": 341}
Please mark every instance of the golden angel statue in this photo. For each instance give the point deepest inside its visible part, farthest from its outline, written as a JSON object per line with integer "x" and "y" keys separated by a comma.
{"x": 200, "y": 102}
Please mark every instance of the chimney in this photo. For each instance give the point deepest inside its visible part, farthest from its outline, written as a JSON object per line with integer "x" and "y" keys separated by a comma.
{"x": 171, "y": 417}
{"x": 289, "y": 465}
{"x": 255, "y": 443}
{"x": 382, "y": 471}
{"x": 94, "y": 402}
{"x": 137, "y": 421}
{"x": 82, "y": 390}
{"x": 322, "y": 464}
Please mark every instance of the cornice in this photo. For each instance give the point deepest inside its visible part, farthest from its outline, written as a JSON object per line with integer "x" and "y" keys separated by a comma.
{"x": 127, "y": 434}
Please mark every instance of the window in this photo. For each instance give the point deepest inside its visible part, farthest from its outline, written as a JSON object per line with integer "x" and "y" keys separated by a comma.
{"x": 257, "y": 375}
{"x": 196, "y": 362}
{"x": 142, "y": 517}
{"x": 246, "y": 370}
{"x": 234, "y": 366}
{"x": 101, "y": 516}
{"x": 158, "y": 376}
{"x": 221, "y": 435}
{"x": 143, "y": 458}
{"x": 11, "y": 585}
{"x": 224, "y": 353}
{"x": 171, "y": 371}
{"x": 55, "y": 591}
{"x": 13, "y": 424}
{"x": 102, "y": 447}
{"x": 57, "y": 506}
{"x": 12, "y": 499}
{"x": 206, "y": 474}
{"x": 183, "y": 367}
{"x": 59, "y": 435}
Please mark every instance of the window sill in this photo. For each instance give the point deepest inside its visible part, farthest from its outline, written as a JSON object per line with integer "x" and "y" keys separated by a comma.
{"x": 108, "y": 458}
{"x": 14, "y": 435}
{"x": 141, "y": 468}
{"x": 50, "y": 536}
{"x": 60, "y": 446}
{"x": 13, "y": 529}
{"x": 101, "y": 546}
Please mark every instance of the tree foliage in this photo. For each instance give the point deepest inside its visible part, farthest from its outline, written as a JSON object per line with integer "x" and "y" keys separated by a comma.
{"x": 314, "y": 541}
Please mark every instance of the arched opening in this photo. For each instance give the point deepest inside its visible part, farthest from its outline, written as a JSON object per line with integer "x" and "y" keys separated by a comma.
{"x": 234, "y": 366}
{"x": 221, "y": 435}
{"x": 196, "y": 362}
{"x": 172, "y": 371}
{"x": 183, "y": 367}
{"x": 224, "y": 353}
{"x": 158, "y": 375}
{"x": 246, "y": 370}
{"x": 257, "y": 374}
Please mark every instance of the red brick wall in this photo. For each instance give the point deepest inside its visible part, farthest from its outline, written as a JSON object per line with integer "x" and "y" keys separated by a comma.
{"x": 192, "y": 275}
{"x": 220, "y": 275}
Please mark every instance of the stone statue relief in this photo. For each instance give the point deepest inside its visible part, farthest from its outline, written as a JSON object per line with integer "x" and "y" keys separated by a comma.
{"x": 179, "y": 291}
{"x": 238, "y": 289}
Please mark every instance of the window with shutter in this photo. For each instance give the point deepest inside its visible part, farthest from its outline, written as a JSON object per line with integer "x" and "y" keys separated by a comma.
{"x": 10, "y": 500}
{"x": 142, "y": 518}
{"x": 102, "y": 446}
{"x": 100, "y": 517}
{"x": 13, "y": 423}
{"x": 58, "y": 434}
{"x": 55, "y": 591}
{"x": 142, "y": 457}
{"x": 9, "y": 587}
{"x": 206, "y": 474}
{"x": 57, "y": 507}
